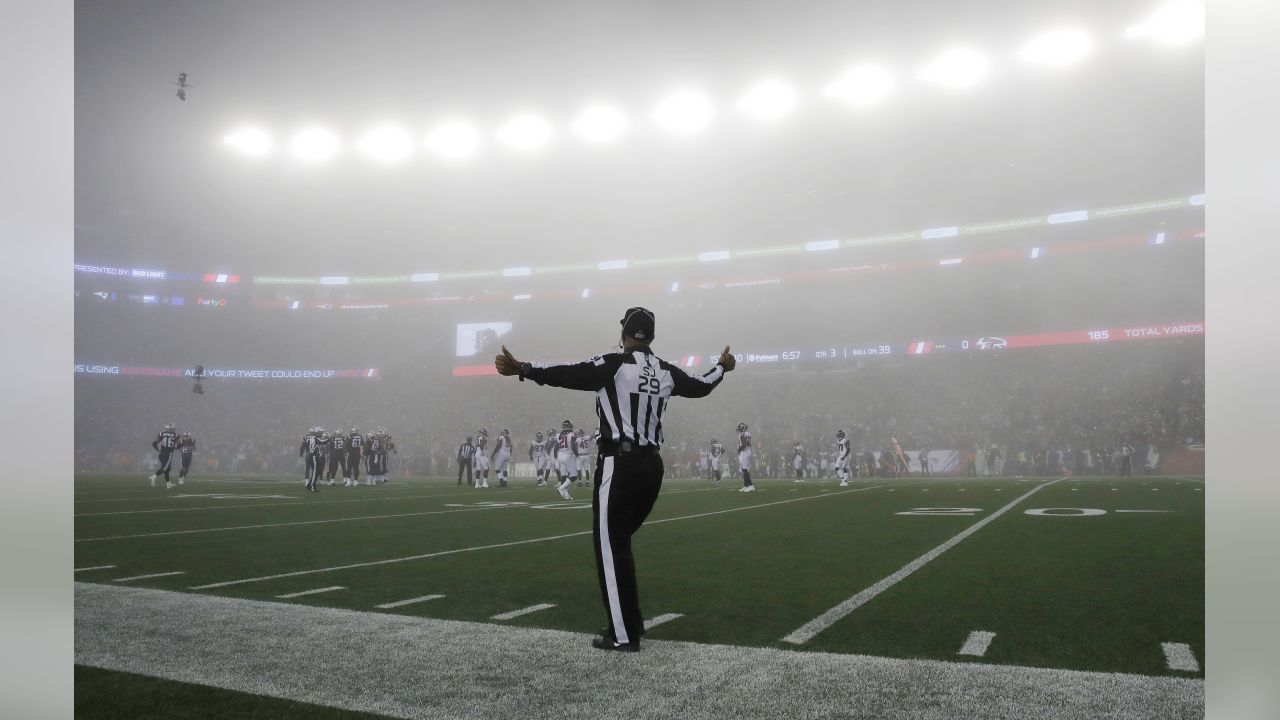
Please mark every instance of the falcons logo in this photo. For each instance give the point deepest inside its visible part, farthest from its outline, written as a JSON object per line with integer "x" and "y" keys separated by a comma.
{"x": 992, "y": 343}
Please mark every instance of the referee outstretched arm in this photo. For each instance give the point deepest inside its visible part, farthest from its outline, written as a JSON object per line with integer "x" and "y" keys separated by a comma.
{"x": 632, "y": 389}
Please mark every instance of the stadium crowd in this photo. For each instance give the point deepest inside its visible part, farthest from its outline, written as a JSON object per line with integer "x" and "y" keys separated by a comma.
{"x": 1149, "y": 395}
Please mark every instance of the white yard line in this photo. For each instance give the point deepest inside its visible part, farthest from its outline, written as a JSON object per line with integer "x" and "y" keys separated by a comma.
{"x": 977, "y": 643}
{"x": 1178, "y": 656}
{"x": 95, "y": 567}
{"x": 317, "y": 591}
{"x": 424, "y": 556}
{"x": 664, "y": 618}
{"x": 410, "y": 601}
{"x": 291, "y": 524}
{"x": 144, "y": 577}
{"x": 302, "y": 500}
{"x": 806, "y": 632}
{"x": 523, "y": 611}
{"x": 445, "y": 669}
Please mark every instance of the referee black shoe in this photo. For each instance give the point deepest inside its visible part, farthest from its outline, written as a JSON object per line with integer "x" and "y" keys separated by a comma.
{"x": 605, "y": 642}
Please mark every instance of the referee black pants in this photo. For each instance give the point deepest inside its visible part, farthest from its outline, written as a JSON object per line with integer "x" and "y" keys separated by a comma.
{"x": 626, "y": 487}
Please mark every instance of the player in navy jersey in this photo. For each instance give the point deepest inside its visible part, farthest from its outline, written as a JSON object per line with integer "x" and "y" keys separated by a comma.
{"x": 338, "y": 457}
{"x": 355, "y": 450}
{"x": 165, "y": 443}
{"x": 186, "y": 449}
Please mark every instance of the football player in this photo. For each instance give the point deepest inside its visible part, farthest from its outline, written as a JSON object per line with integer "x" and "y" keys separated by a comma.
{"x": 797, "y": 460}
{"x": 842, "y": 457}
{"x": 355, "y": 449}
{"x": 338, "y": 456}
{"x": 744, "y": 457}
{"x": 501, "y": 456}
{"x": 715, "y": 459}
{"x": 164, "y": 444}
{"x": 187, "y": 449}
{"x": 538, "y": 456}
{"x": 566, "y": 458}
{"x": 583, "y": 448}
{"x": 482, "y": 460}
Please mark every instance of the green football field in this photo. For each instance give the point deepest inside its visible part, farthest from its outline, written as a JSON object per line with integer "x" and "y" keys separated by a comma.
{"x": 1093, "y": 574}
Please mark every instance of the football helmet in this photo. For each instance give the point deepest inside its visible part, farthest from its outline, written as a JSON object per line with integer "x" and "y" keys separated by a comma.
{"x": 538, "y": 437}
{"x": 355, "y": 430}
{"x": 840, "y": 434}
{"x": 742, "y": 427}
{"x": 566, "y": 424}
{"x": 505, "y": 432}
{"x": 483, "y": 431}
{"x": 715, "y": 440}
{"x": 168, "y": 426}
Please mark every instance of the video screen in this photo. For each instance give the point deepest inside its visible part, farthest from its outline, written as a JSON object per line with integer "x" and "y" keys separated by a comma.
{"x": 481, "y": 339}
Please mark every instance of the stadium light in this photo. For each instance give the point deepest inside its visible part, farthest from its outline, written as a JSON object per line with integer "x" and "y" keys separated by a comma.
{"x": 314, "y": 145}
{"x": 525, "y": 133}
{"x": 253, "y": 142}
{"x": 453, "y": 140}
{"x": 768, "y": 100}
{"x": 684, "y": 112}
{"x": 1174, "y": 23}
{"x": 600, "y": 124}
{"x": 861, "y": 86}
{"x": 1057, "y": 48}
{"x": 388, "y": 144}
{"x": 821, "y": 245}
{"x": 958, "y": 68}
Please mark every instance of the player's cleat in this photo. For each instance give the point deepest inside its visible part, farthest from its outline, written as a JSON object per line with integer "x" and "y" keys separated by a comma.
{"x": 180, "y": 481}
{"x": 168, "y": 485}
{"x": 564, "y": 493}
{"x": 153, "y": 480}
{"x": 749, "y": 488}
{"x": 844, "y": 483}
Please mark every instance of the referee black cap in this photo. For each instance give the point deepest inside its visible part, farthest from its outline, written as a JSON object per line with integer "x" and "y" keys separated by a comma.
{"x": 637, "y": 324}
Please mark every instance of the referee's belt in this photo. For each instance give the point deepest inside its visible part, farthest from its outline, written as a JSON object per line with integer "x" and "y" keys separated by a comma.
{"x": 626, "y": 447}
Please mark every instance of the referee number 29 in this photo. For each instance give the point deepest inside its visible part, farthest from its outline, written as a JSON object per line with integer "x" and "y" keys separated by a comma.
{"x": 649, "y": 383}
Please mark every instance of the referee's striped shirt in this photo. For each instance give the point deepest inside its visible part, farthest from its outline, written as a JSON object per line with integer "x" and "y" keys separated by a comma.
{"x": 466, "y": 450}
{"x": 632, "y": 391}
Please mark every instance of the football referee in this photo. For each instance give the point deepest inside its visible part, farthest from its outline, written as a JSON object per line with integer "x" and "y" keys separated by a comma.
{"x": 632, "y": 389}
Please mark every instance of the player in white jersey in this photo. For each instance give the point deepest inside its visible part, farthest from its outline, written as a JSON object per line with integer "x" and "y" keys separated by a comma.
{"x": 501, "y": 456}
{"x": 797, "y": 460}
{"x": 566, "y": 458}
{"x": 482, "y": 459}
{"x": 704, "y": 464}
{"x": 584, "y": 456}
{"x": 842, "y": 457}
{"x": 715, "y": 459}
{"x": 744, "y": 458}
{"x": 538, "y": 456}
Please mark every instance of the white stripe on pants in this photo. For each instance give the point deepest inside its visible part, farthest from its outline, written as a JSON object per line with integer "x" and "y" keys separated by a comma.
{"x": 606, "y": 553}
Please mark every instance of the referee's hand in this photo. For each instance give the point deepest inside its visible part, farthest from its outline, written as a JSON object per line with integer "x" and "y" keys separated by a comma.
{"x": 505, "y": 363}
{"x": 727, "y": 360}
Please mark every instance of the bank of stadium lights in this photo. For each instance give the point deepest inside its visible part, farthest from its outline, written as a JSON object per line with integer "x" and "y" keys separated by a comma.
{"x": 1057, "y": 48}
{"x": 958, "y": 68}
{"x": 861, "y": 86}
{"x": 525, "y": 133}
{"x": 253, "y": 142}
{"x": 454, "y": 140}
{"x": 387, "y": 144}
{"x": 1174, "y": 23}
{"x": 314, "y": 145}
{"x": 684, "y": 112}
{"x": 768, "y": 100}
{"x": 600, "y": 124}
